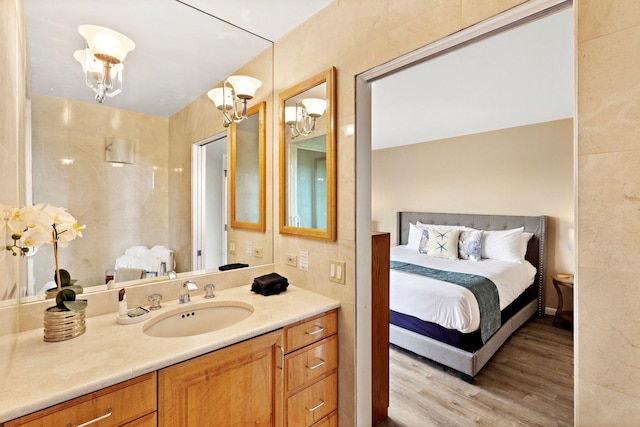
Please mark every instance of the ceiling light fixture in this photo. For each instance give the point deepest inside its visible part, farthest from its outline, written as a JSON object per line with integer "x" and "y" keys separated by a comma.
{"x": 234, "y": 90}
{"x": 102, "y": 59}
{"x": 302, "y": 118}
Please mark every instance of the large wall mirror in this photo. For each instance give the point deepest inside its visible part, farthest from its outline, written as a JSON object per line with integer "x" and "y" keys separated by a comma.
{"x": 148, "y": 202}
{"x": 247, "y": 165}
{"x": 307, "y": 114}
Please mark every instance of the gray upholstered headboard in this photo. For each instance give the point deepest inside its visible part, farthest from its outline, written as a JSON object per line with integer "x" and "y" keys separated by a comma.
{"x": 532, "y": 224}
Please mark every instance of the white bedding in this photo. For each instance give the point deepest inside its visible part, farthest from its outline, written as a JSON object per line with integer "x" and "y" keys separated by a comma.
{"x": 449, "y": 305}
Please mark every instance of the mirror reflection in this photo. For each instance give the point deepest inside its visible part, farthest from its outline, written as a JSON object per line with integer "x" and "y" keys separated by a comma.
{"x": 247, "y": 170}
{"x": 138, "y": 208}
{"x": 307, "y": 163}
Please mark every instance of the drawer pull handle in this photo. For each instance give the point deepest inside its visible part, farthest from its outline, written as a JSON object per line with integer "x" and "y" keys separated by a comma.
{"x": 281, "y": 357}
{"x": 317, "y": 331}
{"x": 317, "y": 365}
{"x": 95, "y": 420}
{"x": 318, "y": 406}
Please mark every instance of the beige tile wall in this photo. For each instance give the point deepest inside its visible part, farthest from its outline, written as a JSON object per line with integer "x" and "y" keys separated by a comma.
{"x": 120, "y": 206}
{"x": 608, "y": 232}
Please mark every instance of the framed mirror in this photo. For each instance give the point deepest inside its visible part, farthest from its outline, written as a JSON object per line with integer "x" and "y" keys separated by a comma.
{"x": 247, "y": 164}
{"x": 307, "y": 114}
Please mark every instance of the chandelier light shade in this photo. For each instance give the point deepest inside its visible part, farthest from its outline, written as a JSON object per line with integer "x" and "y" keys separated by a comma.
{"x": 102, "y": 59}
{"x": 302, "y": 118}
{"x": 235, "y": 90}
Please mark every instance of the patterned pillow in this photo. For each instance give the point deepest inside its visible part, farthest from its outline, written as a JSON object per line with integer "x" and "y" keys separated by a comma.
{"x": 423, "y": 247}
{"x": 470, "y": 244}
{"x": 443, "y": 243}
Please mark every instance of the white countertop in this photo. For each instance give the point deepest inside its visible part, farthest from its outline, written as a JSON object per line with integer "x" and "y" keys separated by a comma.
{"x": 42, "y": 374}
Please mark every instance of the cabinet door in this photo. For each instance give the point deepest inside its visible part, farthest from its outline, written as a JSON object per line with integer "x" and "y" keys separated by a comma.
{"x": 234, "y": 386}
{"x": 112, "y": 406}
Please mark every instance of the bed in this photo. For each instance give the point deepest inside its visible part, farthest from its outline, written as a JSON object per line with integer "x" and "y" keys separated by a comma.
{"x": 469, "y": 347}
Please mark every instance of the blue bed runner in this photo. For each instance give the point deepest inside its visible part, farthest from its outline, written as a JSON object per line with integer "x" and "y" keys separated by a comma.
{"x": 482, "y": 288}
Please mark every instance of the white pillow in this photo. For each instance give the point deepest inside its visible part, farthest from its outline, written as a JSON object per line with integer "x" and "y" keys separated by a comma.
{"x": 503, "y": 245}
{"x": 525, "y": 243}
{"x": 415, "y": 236}
{"x": 443, "y": 243}
{"x": 424, "y": 226}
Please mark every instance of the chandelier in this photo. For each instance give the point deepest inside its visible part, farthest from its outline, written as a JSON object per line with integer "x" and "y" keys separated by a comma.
{"x": 302, "y": 118}
{"x": 232, "y": 97}
{"x": 102, "y": 59}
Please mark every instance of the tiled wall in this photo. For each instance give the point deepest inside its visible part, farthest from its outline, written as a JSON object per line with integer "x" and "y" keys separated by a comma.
{"x": 608, "y": 211}
{"x": 120, "y": 206}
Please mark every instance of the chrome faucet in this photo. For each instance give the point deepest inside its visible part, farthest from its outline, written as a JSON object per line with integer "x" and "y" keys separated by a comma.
{"x": 186, "y": 287}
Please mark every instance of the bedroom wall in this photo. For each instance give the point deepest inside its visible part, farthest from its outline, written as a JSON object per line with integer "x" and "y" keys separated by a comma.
{"x": 527, "y": 170}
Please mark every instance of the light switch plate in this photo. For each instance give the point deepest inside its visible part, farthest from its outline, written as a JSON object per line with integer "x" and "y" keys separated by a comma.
{"x": 232, "y": 246}
{"x": 337, "y": 271}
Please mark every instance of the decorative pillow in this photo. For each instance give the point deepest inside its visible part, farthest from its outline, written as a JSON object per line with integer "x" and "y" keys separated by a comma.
{"x": 470, "y": 244}
{"x": 502, "y": 245}
{"x": 423, "y": 248}
{"x": 443, "y": 243}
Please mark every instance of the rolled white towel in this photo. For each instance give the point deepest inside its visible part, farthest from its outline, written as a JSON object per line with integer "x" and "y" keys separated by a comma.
{"x": 138, "y": 250}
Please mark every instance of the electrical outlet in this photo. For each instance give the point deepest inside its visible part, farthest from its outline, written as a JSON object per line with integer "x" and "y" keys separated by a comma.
{"x": 232, "y": 246}
{"x": 337, "y": 271}
{"x": 291, "y": 260}
{"x": 257, "y": 252}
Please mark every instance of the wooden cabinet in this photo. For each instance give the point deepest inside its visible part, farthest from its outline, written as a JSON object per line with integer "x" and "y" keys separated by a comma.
{"x": 286, "y": 377}
{"x": 237, "y": 385}
{"x": 131, "y": 403}
{"x": 311, "y": 372}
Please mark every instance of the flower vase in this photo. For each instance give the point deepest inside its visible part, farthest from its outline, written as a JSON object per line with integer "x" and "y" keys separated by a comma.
{"x": 61, "y": 325}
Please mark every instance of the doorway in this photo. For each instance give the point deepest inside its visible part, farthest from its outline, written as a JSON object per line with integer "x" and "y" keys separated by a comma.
{"x": 365, "y": 100}
{"x": 209, "y": 200}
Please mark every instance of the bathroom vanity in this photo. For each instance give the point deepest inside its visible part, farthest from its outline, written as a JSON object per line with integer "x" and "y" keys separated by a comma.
{"x": 278, "y": 367}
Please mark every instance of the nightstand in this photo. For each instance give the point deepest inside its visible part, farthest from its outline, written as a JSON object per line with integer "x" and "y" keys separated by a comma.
{"x": 563, "y": 317}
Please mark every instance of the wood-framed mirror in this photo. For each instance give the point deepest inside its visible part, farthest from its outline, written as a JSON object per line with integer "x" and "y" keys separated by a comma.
{"x": 307, "y": 115}
{"x": 247, "y": 170}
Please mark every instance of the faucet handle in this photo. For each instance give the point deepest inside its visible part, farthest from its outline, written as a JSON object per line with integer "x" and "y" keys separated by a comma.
{"x": 154, "y": 299}
{"x": 209, "y": 288}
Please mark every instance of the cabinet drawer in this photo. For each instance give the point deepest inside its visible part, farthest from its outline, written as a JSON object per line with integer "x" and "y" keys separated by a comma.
{"x": 330, "y": 421}
{"x": 312, "y": 403}
{"x": 310, "y": 363}
{"x": 149, "y": 420}
{"x": 124, "y": 402}
{"x": 310, "y": 330}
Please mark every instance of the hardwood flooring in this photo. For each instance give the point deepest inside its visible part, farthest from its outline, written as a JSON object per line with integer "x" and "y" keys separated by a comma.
{"x": 528, "y": 382}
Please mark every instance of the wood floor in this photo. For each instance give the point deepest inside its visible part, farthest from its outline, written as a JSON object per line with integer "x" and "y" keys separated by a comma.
{"x": 528, "y": 382}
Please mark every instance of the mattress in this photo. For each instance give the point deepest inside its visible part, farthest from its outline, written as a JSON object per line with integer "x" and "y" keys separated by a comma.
{"x": 448, "y": 305}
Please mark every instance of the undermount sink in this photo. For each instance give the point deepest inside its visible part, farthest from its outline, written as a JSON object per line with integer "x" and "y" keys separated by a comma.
{"x": 197, "y": 318}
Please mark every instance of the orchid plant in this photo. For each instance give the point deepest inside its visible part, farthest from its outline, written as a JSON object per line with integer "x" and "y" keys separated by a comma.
{"x": 36, "y": 225}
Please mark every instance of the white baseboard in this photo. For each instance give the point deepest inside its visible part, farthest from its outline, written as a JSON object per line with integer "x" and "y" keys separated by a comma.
{"x": 550, "y": 311}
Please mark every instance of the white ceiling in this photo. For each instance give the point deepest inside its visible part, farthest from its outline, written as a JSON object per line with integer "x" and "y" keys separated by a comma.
{"x": 518, "y": 77}
{"x": 182, "y": 49}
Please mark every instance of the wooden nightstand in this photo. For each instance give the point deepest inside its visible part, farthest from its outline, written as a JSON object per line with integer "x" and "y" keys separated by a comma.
{"x": 563, "y": 317}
